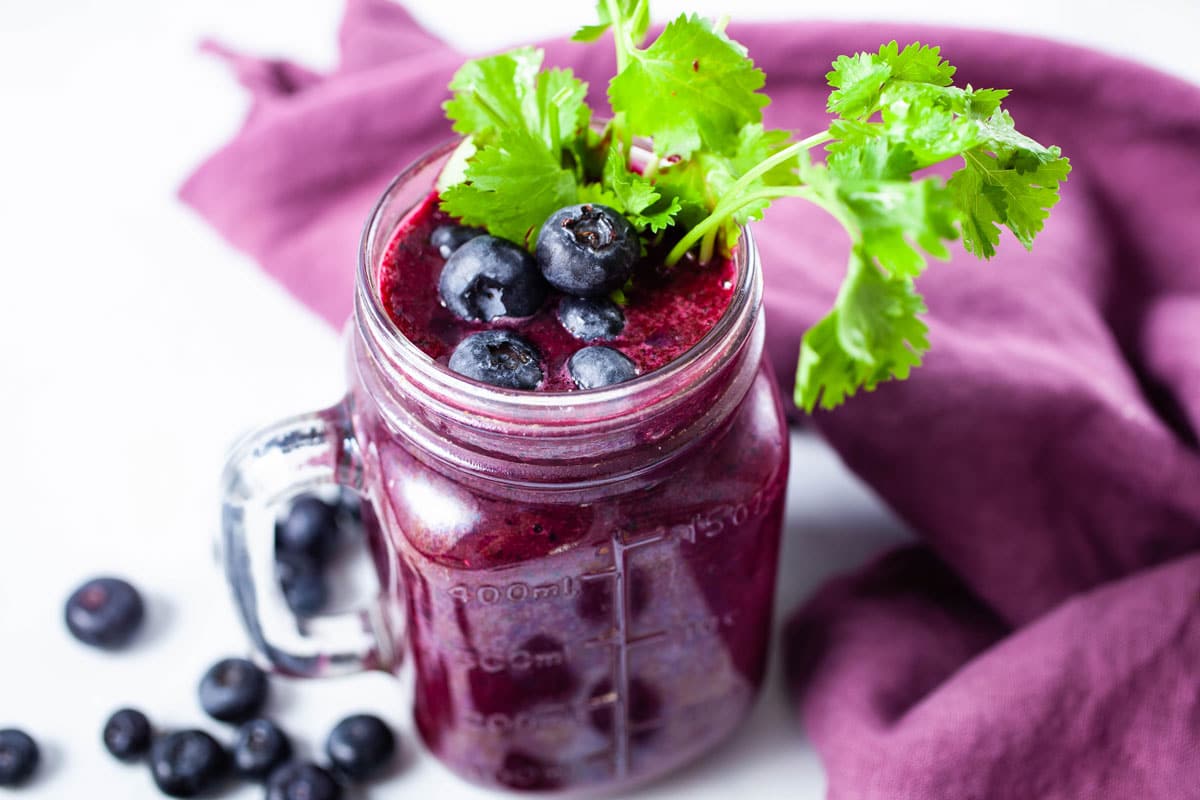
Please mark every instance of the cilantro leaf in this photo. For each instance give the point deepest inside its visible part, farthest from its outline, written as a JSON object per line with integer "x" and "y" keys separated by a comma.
{"x": 512, "y": 186}
{"x": 872, "y": 334}
{"x": 636, "y": 197}
{"x": 894, "y": 219}
{"x": 489, "y": 93}
{"x": 871, "y": 157}
{"x": 992, "y": 190}
{"x": 930, "y": 120}
{"x": 692, "y": 88}
{"x": 1008, "y": 180}
{"x": 558, "y": 108}
{"x": 859, "y": 80}
{"x": 917, "y": 63}
{"x": 506, "y": 92}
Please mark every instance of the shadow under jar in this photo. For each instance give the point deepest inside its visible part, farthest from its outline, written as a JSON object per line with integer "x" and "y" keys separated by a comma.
{"x": 582, "y": 582}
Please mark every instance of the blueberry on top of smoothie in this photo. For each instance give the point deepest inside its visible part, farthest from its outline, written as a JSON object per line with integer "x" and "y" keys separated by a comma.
{"x": 596, "y": 366}
{"x": 499, "y": 357}
{"x": 591, "y": 318}
{"x": 448, "y": 238}
{"x": 587, "y": 250}
{"x": 489, "y": 277}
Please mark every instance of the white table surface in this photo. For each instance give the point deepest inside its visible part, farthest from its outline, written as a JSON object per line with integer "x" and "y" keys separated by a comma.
{"x": 134, "y": 345}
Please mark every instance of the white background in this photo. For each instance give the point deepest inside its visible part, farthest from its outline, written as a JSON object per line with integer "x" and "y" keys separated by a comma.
{"x": 134, "y": 345}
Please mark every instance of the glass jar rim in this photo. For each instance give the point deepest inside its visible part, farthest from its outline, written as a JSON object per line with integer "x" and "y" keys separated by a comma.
{"x": 723, "y": 340}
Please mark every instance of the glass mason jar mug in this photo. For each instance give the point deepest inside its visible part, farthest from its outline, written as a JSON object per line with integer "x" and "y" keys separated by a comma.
{"x": 581, "y": 581}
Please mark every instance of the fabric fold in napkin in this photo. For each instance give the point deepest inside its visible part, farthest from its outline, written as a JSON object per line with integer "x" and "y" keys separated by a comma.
{"x": 1043, "y": 639}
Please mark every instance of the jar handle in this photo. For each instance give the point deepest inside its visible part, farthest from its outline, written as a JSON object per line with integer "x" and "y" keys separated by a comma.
{"x": 265, "y": 467}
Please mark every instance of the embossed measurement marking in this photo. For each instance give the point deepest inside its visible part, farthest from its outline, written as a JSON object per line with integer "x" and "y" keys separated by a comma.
{"x": 515, "y": 592}
{"x": 621, "y": 641}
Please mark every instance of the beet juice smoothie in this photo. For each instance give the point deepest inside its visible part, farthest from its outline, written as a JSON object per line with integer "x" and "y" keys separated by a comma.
{"x": 584, "y": 611}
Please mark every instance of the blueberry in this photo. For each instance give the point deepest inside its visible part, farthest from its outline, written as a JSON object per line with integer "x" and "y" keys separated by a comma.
{"x": 187, "y": 763}
{"x": 488, "y": 278}
{"x": 310, "y": 527}
{"x": 593, "y": 367}
{"x": 261, "y": 746}
{"x": 360, "y": 746}
{"x": 587, "y": 250}
{"x": 350, "y": 513}
{"x": 499, "y": 357}
{"x": 302, "y": 582}
{"x": 302, "y": 780}
{"x": 19, "y": 756}
{"x": 591, "y": 318}
{"x": 127, "y": 734}
{"x": 105, "y": 612}
{"x": 233, "y": 690}
{"x": 448, "y": 238}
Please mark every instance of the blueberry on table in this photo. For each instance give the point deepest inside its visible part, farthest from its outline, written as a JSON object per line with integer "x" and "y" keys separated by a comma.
{"x": 260, "y": 748}
{"x": 488, "y": 278}
{"x": 499, "y": 357}
{"x": 587, "y": 250}
{"x": 19, "y": 756}
{"x": 302, "y": 780}
{"x": 233, "y": 690}
{"x": 302, "y": 582}
{"x": 187, "y": 763}
{"x": 127, "y": 734}
{"x": 360, "y": 746}
{"x": 105, "y": 612}
{"x": 310, "y": 527}
{"x": 448, "y": 238}
{"x": 596, "y": 366}
{"x": 591, "y": 318}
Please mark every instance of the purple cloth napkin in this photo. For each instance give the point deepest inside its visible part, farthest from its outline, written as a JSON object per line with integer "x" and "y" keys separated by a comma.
{"x": 1044, "y": 639}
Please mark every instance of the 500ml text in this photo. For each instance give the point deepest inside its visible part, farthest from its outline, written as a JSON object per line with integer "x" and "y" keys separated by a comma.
{"x": 516, "y": 592}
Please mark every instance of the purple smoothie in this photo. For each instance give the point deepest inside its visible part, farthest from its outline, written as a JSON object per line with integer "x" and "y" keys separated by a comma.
{"x": 578, "y": 620}
{"x": 668, "y": 311}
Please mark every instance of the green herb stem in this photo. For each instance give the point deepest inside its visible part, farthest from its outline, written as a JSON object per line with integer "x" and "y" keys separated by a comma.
{"x": 620, "y": 37}
{"x": 786, "y": 154}
{"x": 736, "y": 197}
{"x": 624, "y": 47}
{"x": 727, "y": 208}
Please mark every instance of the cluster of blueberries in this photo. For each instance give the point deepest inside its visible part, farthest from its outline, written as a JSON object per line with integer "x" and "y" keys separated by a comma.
{"x": 188, "y": 763}
{"x": 584, "y": 251}
{"x": 107, "y": 612}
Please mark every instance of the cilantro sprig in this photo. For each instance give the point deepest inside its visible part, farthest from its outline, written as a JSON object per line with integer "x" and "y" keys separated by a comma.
{"x": 693, "y": 100}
